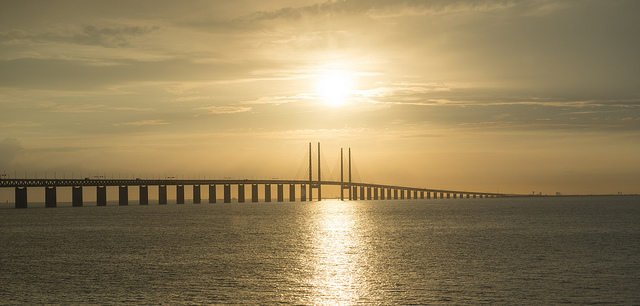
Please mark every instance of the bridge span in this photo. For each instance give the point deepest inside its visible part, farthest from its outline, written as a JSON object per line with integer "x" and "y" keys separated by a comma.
{"x": 355, "y": 190}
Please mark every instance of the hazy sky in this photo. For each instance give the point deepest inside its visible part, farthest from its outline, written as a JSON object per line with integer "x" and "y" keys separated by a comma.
{"x": 509, "y": 96}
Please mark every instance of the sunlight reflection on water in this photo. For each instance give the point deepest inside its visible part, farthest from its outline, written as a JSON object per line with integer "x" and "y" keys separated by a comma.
{"x": 338, "y": 256}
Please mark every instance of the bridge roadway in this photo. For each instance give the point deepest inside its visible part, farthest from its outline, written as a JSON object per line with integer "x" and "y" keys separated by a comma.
{"x": 362, "y": 191}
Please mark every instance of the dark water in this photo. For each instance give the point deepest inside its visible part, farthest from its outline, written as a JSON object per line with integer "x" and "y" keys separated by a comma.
{"x": 460, "y": 251}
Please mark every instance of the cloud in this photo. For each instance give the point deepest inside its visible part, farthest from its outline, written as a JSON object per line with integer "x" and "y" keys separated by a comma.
{"x": 282, "y": 99}
{"x": 9, "y": 149}
{"x": 375, "y": 8}
{"x": 108, "y": 37}
{"x": 142, "y": 123}
{"x": 68, "y": 74}
{"x": 217, "y": 110}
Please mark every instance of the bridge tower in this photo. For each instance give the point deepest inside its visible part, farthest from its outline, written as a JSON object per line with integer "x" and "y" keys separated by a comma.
{"x": 344, "y": 186}
{"x": 311, "y": 183}
{"x": 341, "y": 176}
{"x": 350, "y": 197}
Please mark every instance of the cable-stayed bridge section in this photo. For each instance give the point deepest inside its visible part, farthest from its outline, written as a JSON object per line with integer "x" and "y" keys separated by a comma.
{"x": 354, "y": 190}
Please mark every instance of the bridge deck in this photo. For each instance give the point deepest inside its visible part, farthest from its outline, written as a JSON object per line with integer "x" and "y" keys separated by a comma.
{"x": 163, "y": 182}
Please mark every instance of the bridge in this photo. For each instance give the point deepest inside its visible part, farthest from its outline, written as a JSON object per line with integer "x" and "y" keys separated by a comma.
{"x": 355, "y": 190}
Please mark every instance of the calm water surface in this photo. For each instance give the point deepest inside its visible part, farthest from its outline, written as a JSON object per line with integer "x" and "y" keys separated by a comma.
{"x": 581, "y": 250}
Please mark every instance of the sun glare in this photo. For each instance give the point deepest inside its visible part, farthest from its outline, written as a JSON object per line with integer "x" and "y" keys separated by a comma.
{"x": 334, "y": 88}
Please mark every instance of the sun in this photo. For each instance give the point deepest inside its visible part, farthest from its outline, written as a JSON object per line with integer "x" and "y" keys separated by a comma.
{"x": 334, "y": 88}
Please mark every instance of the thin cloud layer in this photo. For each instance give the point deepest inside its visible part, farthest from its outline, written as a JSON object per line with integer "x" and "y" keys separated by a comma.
{"x": 439, "y": 80}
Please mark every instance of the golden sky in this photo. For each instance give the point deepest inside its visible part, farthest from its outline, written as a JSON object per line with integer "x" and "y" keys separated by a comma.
{"x": 508, "y": 96}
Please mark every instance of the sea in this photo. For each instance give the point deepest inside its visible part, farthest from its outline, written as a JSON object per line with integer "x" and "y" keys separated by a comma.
{"x": 511, "y": 251}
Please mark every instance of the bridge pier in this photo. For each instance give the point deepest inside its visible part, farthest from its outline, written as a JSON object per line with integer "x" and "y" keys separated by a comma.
{"x": 123, "y": 195}
{"x": 382, "y": 197}
{"x": 267, "y": 192}
{"x": 280, "y": 193}
{"x": 292, "y": 192}
{"x": 369, "y": 193}
{"x": 303, "y": 193}
{"x": 212, "y": 193}
{"x": 254, "y": 193}
{"x": 409, "y": 195}
{"x": 50, "y": 196}
{"x": 422, "y": 194}
{"x": 21, "y": 197}
{"x": 196, "y": 194}
{"x": 415, "y": 194}
{"x": 101, "y": 195}
{"x": 227, "y": 193}
{"x": 455, "y": 195}
{"x": 355, "y": 193}
{"x": 162, "y": 194}
{"x": 401, "y": 194}
{"x": 144, "y": 194}
{"x": 375, "y": 193}
{"x": 428, "y": 194}
{"x": 179, "y": 194}
{"x": 362, "y": 195}
{"x": 76, "y": 196}
{"x": 240, "y": 193}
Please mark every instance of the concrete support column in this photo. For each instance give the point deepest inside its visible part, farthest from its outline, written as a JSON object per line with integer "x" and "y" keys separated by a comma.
{"x": 162, "y": 194}
{"x": 50, "y": 196}
{"x": 468, "y": 195}
{"x": 280, "y": 193}
{"x": 428, "y": 194}
{"x": 362, "y": 194}
{"x": 355, "y": 192}
{"x": 409, "y": 194}
{"x": 401, "y": 194}
{"x": 368, "y": 193}
{"x": 254, "y": 193}
{"x": 144, "y": 195}
{"x": 292, "y": 192}
{"x": 227, "y": 193}
{"x": 303, "y": 193}
{"x": 212, "y": 193}
{"x": 415, "y": 194}
{"x": 101, "y": 195}
{"x": 240, "y": 193}
{"x": 442, "y": 195}
{"x": 180, "y": 194}
{"x": 76, "y": 196}
{"x": 267, "y": 192}
{"x": 21, "y": 197}
{"x": 123, "y": 195}
{"x": 196, "y": 194}
{"x": 375, "y": 193}
{"x": 422, "y": 194}
{"x": 382, "y": 195}
{"x": 474, "y": 196}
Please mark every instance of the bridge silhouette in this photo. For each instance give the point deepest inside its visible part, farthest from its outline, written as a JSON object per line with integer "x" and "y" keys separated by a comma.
{"x": 355, "y": 190}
